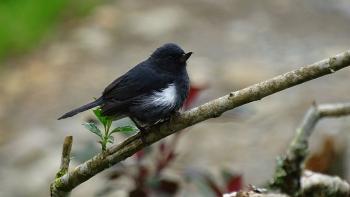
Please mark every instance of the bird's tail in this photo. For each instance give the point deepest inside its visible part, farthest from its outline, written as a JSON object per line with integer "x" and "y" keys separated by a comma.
{"x": 82, "y": 108}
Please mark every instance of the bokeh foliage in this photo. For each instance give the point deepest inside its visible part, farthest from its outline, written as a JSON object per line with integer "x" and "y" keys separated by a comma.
{"x": 25, "y": 22}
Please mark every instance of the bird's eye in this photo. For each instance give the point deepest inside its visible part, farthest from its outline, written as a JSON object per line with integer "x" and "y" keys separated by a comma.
{"x": 175, "y": 56}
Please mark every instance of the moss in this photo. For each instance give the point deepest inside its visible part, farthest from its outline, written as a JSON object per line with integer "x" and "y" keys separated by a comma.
{"x": 287, "y": 175}
{"x": 57, "y": 188}
{"x": 61, "y": 173}
{"x": 58, "y": 183}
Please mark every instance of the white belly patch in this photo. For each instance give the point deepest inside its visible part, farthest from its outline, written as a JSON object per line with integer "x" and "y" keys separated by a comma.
{"x": 165, "y": 97}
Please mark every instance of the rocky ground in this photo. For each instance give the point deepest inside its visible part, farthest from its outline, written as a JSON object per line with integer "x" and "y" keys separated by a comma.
{"x": 235, "y": 44}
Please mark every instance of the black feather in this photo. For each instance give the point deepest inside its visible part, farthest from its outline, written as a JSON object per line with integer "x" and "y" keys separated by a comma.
{"x": 82, "y": 108}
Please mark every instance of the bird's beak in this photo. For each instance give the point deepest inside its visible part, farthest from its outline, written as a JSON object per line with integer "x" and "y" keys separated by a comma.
{"x": 185, "y": 56}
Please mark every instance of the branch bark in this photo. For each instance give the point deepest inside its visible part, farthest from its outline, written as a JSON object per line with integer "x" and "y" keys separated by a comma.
{"x": 212, "y": 109}
{"x": 289, "y": 169}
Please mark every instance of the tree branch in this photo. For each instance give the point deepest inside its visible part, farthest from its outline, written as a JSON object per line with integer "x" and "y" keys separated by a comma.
{"x": 315, "y": 185}
{"x": 212, "y": 109}
{"x": 289, "y": 168}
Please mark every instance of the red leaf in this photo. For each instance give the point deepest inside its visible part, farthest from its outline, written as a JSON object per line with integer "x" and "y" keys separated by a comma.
{"x": 162, "y": 147}
{"x": 193, "y": 95}
{"x": 171, "y": 156}
{"x": 322, "y": 160}
{"x": 235, "y": 183}
{"x": 142, "y": 175}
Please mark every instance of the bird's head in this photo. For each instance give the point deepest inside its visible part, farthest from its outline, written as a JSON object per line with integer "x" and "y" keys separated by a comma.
{"x": 170, "y": 56}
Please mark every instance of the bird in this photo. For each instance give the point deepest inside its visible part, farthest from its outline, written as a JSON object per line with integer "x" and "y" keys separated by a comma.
{"x": 149, "y": 92}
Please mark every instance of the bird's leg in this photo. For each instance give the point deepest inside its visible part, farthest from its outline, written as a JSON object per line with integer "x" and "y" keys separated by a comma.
{"x": 142, "y": 127}
{"x": 176, "y": 114}
{"x": 167, "y": 118}
{"x": 172, "y": 115}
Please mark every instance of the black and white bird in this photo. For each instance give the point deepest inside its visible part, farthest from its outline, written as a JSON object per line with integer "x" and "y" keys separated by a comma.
{"x": 149, "y": 92}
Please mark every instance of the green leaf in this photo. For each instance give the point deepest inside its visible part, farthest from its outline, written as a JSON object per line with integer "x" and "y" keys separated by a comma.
{"x": 105, "y": 120}
{"x": 125, "y": 129}
{"x": 100, "y": 117}
{"x": 93, "y": 128}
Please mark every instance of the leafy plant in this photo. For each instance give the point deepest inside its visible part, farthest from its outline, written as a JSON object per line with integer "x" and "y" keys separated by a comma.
{"x": 106, "y": 121}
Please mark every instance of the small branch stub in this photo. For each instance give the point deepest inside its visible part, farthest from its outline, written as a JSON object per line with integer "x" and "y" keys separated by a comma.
{"x": 65, "y": 158}
{"x": 64, "y": 167}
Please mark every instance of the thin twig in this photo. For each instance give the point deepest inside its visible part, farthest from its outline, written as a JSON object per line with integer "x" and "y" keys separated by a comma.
{"x": 212, "y": 109}
{"x": 65, "y": 158}
{"x": 289, "y": 168}
{"x": 64, "y": 167}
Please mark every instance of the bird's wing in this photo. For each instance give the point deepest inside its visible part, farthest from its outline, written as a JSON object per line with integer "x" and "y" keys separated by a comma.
{"x": 140, "y": 80}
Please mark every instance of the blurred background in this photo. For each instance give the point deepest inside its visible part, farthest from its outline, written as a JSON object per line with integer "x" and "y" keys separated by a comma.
{"x": 59, "y": 54}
